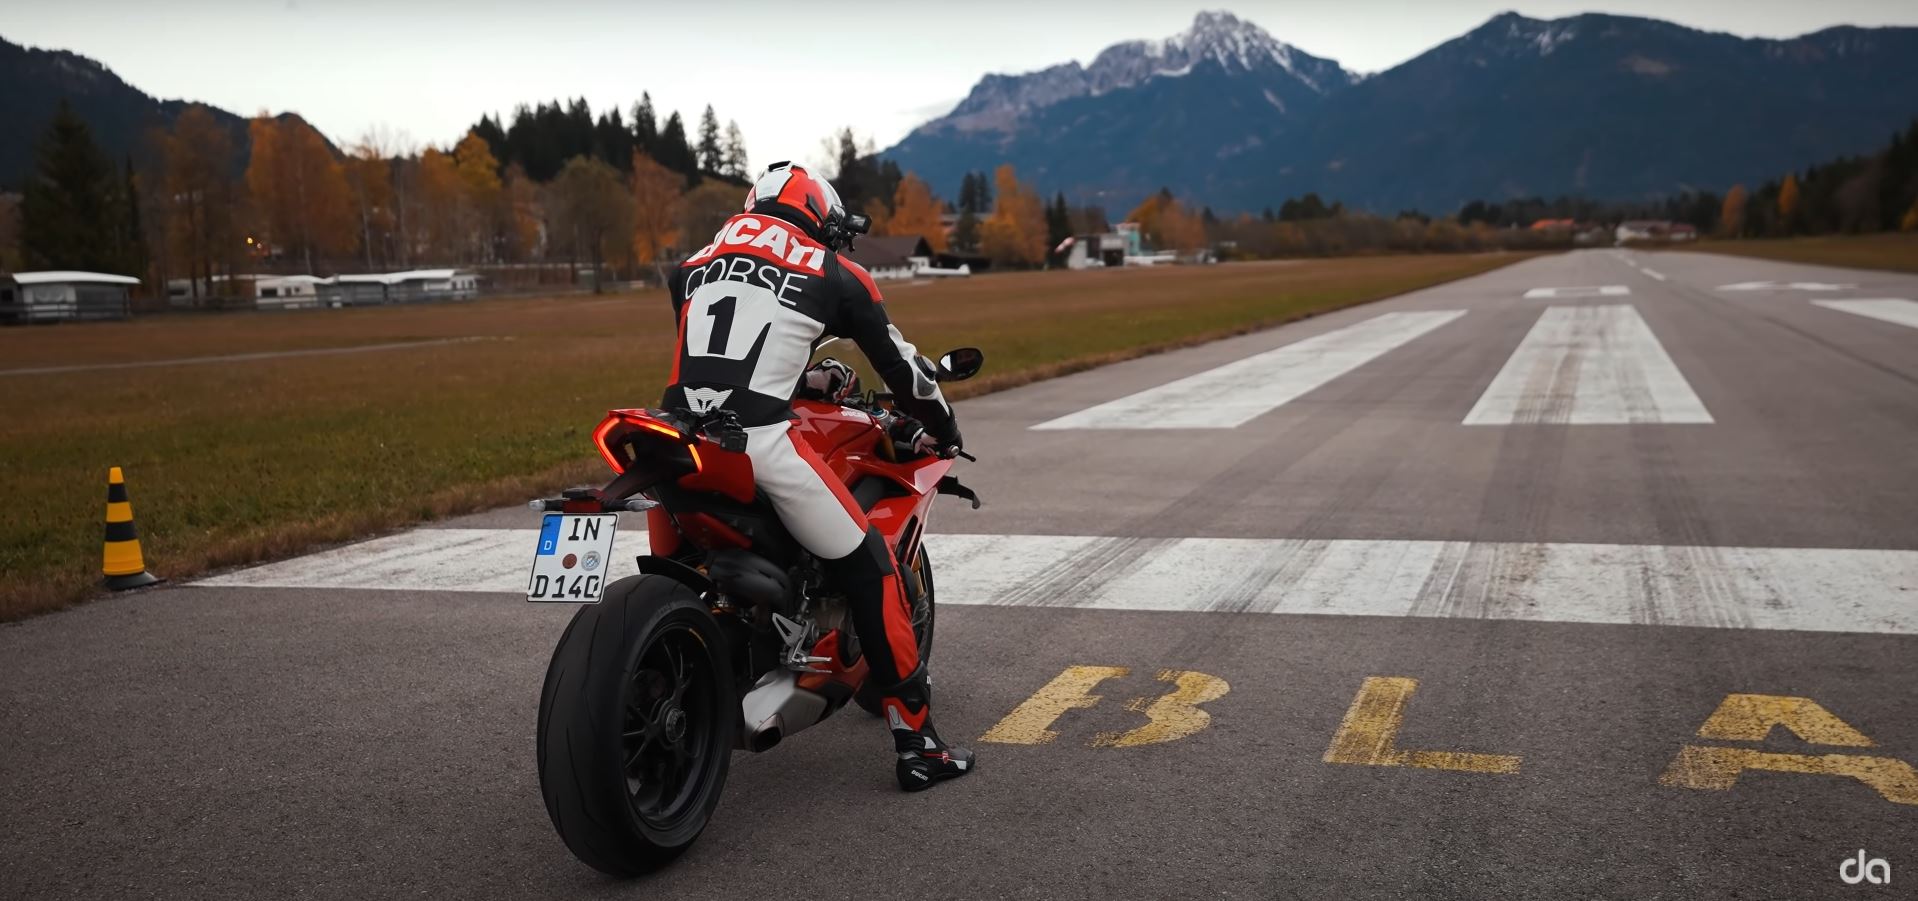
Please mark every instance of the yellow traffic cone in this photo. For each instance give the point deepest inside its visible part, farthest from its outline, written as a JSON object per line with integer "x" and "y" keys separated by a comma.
{"x": 124, "y": 566}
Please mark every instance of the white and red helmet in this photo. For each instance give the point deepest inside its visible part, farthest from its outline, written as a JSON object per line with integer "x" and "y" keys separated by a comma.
{"x": 793, "y": 187}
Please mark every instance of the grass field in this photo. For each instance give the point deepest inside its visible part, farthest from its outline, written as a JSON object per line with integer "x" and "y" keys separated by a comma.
{"x": 237, "y": 462}
{"x": 1896, "y": 251}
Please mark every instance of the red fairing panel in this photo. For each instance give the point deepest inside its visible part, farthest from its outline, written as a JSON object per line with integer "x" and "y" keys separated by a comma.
{"x": 830, "y": 428}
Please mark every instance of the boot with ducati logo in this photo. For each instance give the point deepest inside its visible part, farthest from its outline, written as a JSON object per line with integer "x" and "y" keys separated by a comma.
{"x": 924, "y": 759}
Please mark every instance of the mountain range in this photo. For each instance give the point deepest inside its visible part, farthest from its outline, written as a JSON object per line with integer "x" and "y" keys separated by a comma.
{"x": 1608, "y": 107}
{"x": 117, "y": 113}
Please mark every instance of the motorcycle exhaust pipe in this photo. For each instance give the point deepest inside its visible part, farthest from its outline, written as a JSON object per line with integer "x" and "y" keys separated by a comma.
{"x": 775, "y": 708}
{"x": 767, "y": 734}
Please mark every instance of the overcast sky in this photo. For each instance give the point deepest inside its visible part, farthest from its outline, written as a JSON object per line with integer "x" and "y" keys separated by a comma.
{"x": 789, "y": 72}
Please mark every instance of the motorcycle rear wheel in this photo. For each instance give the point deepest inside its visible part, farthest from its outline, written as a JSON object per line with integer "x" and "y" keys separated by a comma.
{"x": 637, "y": 723}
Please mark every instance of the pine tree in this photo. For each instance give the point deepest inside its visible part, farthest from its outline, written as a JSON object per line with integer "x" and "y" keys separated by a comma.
{"x": 674, "y": 153}
{"x": 735, "y": 164}
{"x": 975, "y": 194}
{"x": 645, "y": 125}
{"x": 711, "y": 155}
{"x": 576, "y": 130}
{"x": 612, "y": 142}
{"x": 965, "y": 233}
{"x": 72, "y": 216}
{"x": 495, "y": 138}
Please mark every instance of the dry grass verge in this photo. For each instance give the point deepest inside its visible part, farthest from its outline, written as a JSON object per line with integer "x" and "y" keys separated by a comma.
{"x": 1895, "y": 251}
{"x": 235, "y": 463}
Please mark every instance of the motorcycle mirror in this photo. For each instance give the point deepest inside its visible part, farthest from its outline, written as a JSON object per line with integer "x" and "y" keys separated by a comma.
{"x": 961, "y": 364}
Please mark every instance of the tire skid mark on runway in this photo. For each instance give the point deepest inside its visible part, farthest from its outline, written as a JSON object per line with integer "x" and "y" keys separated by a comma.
{"x": 1815, "y": 589}
{"x": 1081, "y": 574}
{"x": 1252, "y": 592}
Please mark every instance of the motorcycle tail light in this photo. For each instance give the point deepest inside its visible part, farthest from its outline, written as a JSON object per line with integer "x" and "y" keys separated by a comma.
{"x": 610, "y": 437}
{"x": 599, "y": 440}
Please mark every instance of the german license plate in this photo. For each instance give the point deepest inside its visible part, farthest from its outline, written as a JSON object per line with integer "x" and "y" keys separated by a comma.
{"x": 574, "y": 553}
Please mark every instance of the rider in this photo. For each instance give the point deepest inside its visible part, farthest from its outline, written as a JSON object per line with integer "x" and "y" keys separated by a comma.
{"x": 752, "y": 306}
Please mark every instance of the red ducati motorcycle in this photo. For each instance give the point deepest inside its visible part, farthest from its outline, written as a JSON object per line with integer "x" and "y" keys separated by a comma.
{"x": 729, "y": 638}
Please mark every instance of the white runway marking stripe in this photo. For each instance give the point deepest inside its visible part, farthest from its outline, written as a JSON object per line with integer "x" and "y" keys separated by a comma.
{"x": 1596, "y": 365}
{"x": 1584, "y": 291}
{"x": 1814, "y": 589}
{"x": 1888, "y": 309}
{"x": 1238, "y": 392}
{"x": 422, "y": 560}
{"x": 1811, "y": 589}
{"x": 1784, "y": 286}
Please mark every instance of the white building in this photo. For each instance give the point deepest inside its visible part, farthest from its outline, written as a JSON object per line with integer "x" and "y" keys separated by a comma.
{"x": 899, "y": 257}
{"x": 412, "y": 286}
{"x": 887, "y": 257}
{"x": 1093, "y": 251}
{"x": 59, "y": 295}
{"x": 286, "y": 292}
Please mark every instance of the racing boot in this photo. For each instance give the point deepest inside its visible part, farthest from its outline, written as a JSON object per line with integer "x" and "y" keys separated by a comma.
{"x": 924, "y": 759}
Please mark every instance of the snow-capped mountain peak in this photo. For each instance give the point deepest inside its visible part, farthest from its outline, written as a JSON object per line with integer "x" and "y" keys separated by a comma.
{"x": 1235, "y": 46}
{"x": 1221, "y": 37}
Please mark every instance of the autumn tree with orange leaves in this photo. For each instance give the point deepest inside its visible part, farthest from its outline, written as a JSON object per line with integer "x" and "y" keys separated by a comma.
{"x": 369, "y": 180}
{"x": 1731, "y": 216}
{"x": 1015, "y": 233}
{"x": 1167, "y": 224}
{"x": 524, "y": 214}
{"x": 915, "y": 212}
{"x": 299, "y": 190}
{"x": 656, "y": 208}
{"x": 480, "y": 217}
{"x": 439, "y": 205}
{"x": 191, "y": 207}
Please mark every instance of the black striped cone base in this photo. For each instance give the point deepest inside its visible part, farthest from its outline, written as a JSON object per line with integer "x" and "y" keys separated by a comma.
{"x": 137, "y": 580}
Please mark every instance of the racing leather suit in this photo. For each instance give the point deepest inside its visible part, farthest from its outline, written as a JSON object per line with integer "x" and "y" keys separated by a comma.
{"x": 751, "y": 308}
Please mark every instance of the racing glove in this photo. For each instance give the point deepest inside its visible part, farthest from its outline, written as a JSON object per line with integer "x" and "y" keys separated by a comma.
{"x": 829, "y": 380}
{"x": 909, "y": 432}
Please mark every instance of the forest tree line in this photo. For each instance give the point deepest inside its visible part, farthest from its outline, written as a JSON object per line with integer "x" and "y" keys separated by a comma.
{"x": 557, "y": 185}
{"x": 623, "y": 193}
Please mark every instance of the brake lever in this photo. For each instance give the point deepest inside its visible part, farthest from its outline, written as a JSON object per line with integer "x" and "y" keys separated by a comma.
{"x": 961, "y": 453}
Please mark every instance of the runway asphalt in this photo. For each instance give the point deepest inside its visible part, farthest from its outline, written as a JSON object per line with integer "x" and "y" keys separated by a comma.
{"x": 1595, "y": 593}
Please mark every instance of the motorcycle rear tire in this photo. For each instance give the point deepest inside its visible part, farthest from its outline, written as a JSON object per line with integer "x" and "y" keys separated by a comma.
{"x": 612, "y": 667}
